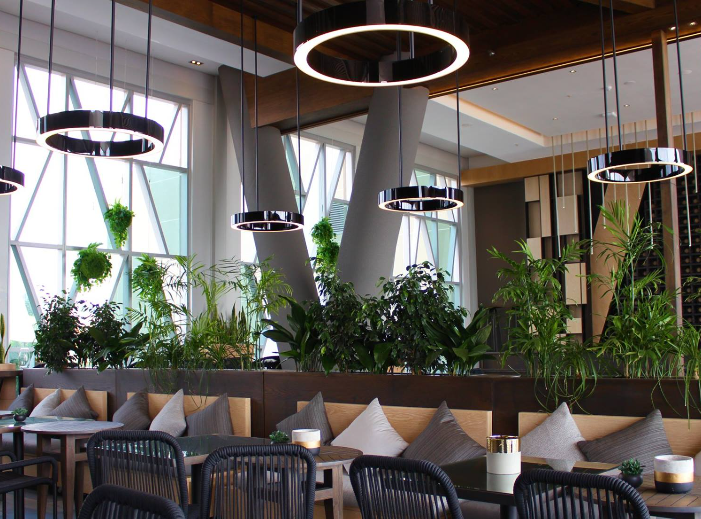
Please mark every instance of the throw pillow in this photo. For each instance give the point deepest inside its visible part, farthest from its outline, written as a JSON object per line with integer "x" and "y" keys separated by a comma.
{"x": 213, "y": 419}
{"x": 77, "y": 406}
{"x": 372, "y": 433}
{"x": 443, "y": 441}
{"x": 134, "y": 413}
{"x": 644, "y": 440}
{"x": 47, "y": 405}
{"x": 24, "y": 399}
{"x": 556, "y": 437}
{"x": 171, "y": 419}
{"x": 313, "y": 416}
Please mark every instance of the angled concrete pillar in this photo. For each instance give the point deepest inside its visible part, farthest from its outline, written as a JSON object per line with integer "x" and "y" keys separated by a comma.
{"x": 370, "y": 234}
{"x": 287, "y": 250}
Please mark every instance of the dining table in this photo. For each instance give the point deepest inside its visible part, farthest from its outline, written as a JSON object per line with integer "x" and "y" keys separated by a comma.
{"x": 329, "y": 461}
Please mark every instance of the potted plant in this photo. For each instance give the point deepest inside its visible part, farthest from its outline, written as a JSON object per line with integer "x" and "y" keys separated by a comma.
{"x": 279, "y": 437}
{"x": 20, "y": 414}
{"x": 91, "y": 267}
{"x": 57, "y": 334}
{"x": 4, "y": 366}
{"x": 119, "y": 218}
{"x": 632, "y": 472}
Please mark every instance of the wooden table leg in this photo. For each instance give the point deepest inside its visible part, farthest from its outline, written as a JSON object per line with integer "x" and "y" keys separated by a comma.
{"x": 43, "y": 470}
{"x": 333, "y": 478}
{"x": 79, "y": 486}
{"x": 67, "y": 474}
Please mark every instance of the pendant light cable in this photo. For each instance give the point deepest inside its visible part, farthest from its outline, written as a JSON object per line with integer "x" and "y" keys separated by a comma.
{"x": 243, "y": 137}
{"x": 591, "y": 224}
{"x": 51, "y": 56}
{"x": 681, "y": 75}
{"x": 112, "y": 31}
{"x": 399, "y": 115}
{"x": 300, "y": 16}
{"x": 255, "y": 99}
{"x": 615, "y": 75}
{"x": 148, "y": 58}
{"x": 19, "y": 72}
{"x": 603, "y": 72}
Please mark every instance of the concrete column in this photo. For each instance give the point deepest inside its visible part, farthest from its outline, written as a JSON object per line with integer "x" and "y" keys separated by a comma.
{"x": 7, "y": 63}
{"x": 370, "y": 235}
{"x": 288, "y": 250}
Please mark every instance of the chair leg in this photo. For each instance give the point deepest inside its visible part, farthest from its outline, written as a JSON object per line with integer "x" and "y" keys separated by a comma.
{"x": 4, "y": 507}
{"x": 55, "y": 497}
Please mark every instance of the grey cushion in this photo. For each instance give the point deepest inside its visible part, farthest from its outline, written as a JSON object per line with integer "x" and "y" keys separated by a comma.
{"x": 556, "y": 437}
{"x": 77, "y": 406}
{"x": 47, "y": 405}
{"x": 134, "y": 413}
{"x": 313, "y": 416}
{"x": 643, "y": 440}
{"x": 213, "y": 419}
{"x": 443, "y": 441}
{"x": 24, "y": 399}
{"x": 171, "y": 419}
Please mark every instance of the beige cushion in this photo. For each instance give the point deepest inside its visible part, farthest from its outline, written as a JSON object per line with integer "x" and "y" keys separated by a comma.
{"x": 171, "y": 419}
{"x": 556, "y": 437}
{"x": 47, "y": 405}
{"x": 372, "y": 433}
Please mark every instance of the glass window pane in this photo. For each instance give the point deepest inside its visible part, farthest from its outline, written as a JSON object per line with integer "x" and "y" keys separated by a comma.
{"x": 447, "y": 243}
{"x": 45, "y": 270}
{"x": 144, "y": 228}
{"x": 114, "y": 177}
{"x": 30, "y": 160}
{"x": 25, "y": 122}
{"x": 86, "y": 223}
{"x": 169, "y": 191}
{"x": 38, "y": 82}
{"x": 21, "y": 316}
{"x": 173, "y": 154}
{"x": 44, "y": 222}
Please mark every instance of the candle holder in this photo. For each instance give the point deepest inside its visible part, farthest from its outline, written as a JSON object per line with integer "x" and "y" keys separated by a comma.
{"x": 674, "y": 474}
{"x": 503, "y": 454}
{"x": 309, "y": 438}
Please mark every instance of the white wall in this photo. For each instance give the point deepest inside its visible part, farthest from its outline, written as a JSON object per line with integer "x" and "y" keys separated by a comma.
{"x": 7, "y": 62}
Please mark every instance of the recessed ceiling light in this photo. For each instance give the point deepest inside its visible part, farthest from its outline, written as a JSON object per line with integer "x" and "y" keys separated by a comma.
{"x": 693, "y": 24}
{"x": 195, "y": 62}
{"x": 495, "y": 88}
{"x": 573, "y": 71}
{"x": 554, "y": 118}
{"x": 627, "y": 106}
{"x": 673, "y": 28}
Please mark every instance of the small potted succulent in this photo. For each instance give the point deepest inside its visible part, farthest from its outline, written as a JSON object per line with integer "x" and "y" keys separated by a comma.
{"x": 632, "y": 472}
{"x": 279, "y": 437}
{"x": 20, "y": 414}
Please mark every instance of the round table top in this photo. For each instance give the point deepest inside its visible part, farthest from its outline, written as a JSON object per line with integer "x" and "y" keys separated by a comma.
{"x": 69, "y": 428}
{"x": 330, "y": 455}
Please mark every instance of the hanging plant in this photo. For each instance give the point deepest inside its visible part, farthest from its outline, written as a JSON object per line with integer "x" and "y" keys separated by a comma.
{"x": 91, "y": 267}
{"x": 119, "y": 218}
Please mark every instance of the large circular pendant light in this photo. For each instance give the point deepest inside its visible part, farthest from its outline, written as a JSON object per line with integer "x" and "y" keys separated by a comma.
{"x": 261, "y": 221}
{"x": 143, "y": 135}
{"x": 421, "y": 199}
{"x": 12, "y": 179}
{"x": 381, "y": 16}
{"x": 638, "y": 165}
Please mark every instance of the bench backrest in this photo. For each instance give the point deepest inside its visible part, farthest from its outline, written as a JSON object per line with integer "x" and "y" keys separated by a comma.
{"x": 684, "y": 435}
{"x": 409, "y": 422}
{"x": 239, "y": 408}
{"x": 96, "y": 399}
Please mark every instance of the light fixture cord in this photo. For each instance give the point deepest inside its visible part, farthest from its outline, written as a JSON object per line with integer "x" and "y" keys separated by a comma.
{"x": 243, "y": 147}
{"x": 299, "y": 145}
{"x": 148, "y": 58}
{"x": 615, "y": 76}
{"x": 112, "y": 31}
{"x": 457, "y": 89}
{"x": 681, "y": 75}
{"x": 255, "y": 99}
{"x": 603, "y": 71}
{"x": 19, "y": 71}
{"x": 399, "y": 112}
{"x": 51, "y": 56}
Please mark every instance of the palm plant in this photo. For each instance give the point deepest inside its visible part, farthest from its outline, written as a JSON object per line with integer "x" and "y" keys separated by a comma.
{"x": 302, "y": 336}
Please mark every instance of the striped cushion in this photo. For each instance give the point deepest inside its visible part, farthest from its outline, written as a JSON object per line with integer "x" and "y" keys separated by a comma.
{"x": 443, "y": 441}
{"x": 134, "y": 413}
{"x": 313, "y": 416}
{"x": 643, "y": 440}
{"x": 77, "y": 406}
{"x": 24, "y": 399}
{"x": 171, "y": 418}
{"x": 213, "y": 419}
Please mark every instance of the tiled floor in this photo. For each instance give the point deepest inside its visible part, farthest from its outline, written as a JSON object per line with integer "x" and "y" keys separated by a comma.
{"x": 30, "y": 504}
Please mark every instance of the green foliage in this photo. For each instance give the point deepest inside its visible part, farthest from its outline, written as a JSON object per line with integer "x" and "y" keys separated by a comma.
{"x": 57, "y": 333}
{"x": 148, "y": 279}
{"x": 327, "y": 248}
{"x": 279, "y": 437}
{"x": 538, "y": 316}
{"x": 91, "y": 267}
{"x": 631, "y": 467}
{"x": 20, "y": 411}
{"x": 119, "y": 218}
{"x": 302, "y": 336}
{"x": 3, "y": 354}
{"x": 462, "y": 347}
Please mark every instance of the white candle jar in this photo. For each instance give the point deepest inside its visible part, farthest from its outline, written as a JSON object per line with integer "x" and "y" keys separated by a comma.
{"x": 503, "y": 454}
{"x": 674, "y": 474}
{"x": 309, "y": 438}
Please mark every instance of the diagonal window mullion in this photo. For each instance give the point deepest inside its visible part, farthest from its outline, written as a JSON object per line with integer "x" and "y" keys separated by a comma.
{"x": 118, "y": 278}
{"x": 34, "y": 195}
{"x": 170, "y": 133}
{"x": 29, "y": 95}
{"x": 27, "y": 281}
{"x": 336, "y": 177}
{"x": 152, "y": 206}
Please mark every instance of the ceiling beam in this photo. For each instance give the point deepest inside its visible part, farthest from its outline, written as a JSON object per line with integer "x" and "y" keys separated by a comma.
{"x": 627, "y": 6}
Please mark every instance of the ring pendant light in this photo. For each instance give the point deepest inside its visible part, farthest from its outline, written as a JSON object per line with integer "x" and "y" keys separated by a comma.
{"x": 381, "y": 16}
{"x": 419, "y": 199}
{"x": 261, "y": 221}
{"x": 638, "y": 165}
{"x": 11, "y": 179}
{"x": 143, "y": 135}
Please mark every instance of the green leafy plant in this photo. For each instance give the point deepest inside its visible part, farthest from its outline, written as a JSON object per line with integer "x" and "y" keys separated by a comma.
{"x": 462, "y": 347}
{"x": 20, "y": 411}
{"x": 148, "y": 279}
{"x": 538, "y": 315}
{"x": 631, "y": 467}
{"x": 327, "y": 248}
{"x": 302, "y": 337}
{"x": 279, "y": 437}
{"x": 119, "y": 218}
{"x": 3, "y": 353}
{"x": 57, "y": 334}
{"x": 91, "y": 267}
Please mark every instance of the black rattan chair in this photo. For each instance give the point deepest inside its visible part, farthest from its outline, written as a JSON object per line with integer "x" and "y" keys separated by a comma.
{"x": 147, "y": 461}
{"x": 113, "y": 502}
{"x": 258, "y": 481}
{"x": 388, "y": 488}
{"x": 12, "y": 479}
{"x": 546, "y": 494}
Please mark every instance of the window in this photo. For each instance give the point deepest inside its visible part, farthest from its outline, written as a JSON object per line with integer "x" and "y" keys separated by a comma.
{"x": 433, "y": 237}
{"x": 61, "y": 209}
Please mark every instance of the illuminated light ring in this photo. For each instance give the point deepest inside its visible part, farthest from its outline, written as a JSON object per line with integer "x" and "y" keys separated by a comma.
{"x": 650, "y": 165}
{"x": 360, "y": 17}
{"x": 52, "y": 128}
{"x": 267, "y": 221}
{"x": 420, "y": 199}
{"x": 10, "y": 180}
